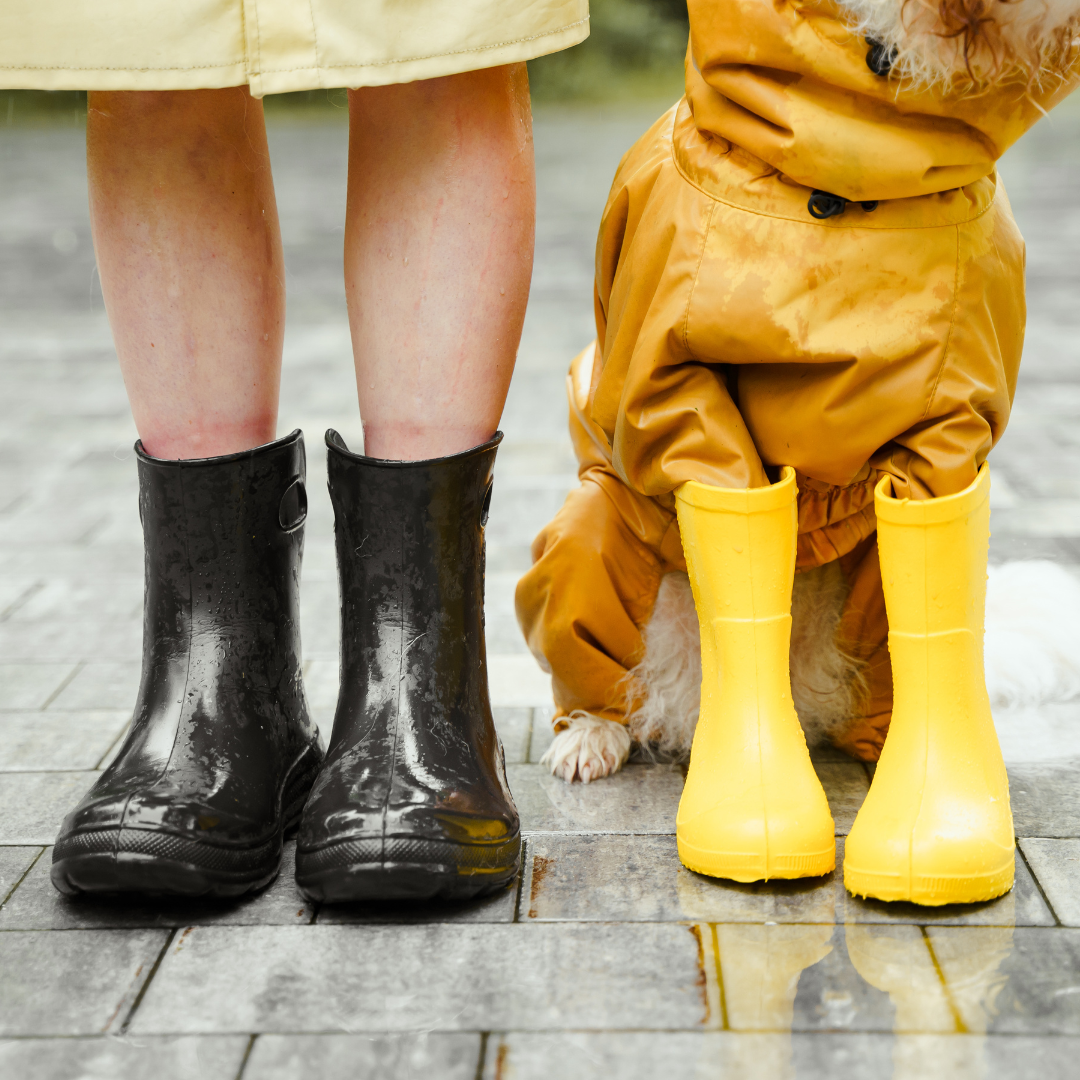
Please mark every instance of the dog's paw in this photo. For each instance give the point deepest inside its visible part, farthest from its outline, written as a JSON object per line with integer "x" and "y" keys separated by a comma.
{"x": 587, "y": 748}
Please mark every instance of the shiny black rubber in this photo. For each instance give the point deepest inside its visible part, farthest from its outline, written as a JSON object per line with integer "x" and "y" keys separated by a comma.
{"x": 221, "y": 752}
{"x": 412, "y": 801}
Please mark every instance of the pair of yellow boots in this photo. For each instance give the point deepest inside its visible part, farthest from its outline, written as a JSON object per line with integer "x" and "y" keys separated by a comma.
{"x": 936, "y": 827}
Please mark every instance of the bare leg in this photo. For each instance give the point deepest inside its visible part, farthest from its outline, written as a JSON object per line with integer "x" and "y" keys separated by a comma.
{"x": 188, "y": 247}
{"x": 438, "y": 256}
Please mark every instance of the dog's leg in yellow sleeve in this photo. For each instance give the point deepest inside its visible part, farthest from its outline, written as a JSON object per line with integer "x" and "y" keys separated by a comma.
{"x": 752, "y": 807}
{"x": 936, "y": 826}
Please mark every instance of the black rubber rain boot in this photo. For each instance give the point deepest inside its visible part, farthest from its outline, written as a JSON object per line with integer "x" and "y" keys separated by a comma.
{"x": 412, "y": 801}
{"x": 221, "y": 753}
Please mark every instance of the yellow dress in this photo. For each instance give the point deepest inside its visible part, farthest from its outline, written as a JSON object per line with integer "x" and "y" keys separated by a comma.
{"x": 273, "y": 46}
{"x": 738, "y": 332}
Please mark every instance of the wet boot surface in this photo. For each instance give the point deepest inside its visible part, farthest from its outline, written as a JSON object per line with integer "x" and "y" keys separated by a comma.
{"x": 412, "y": 801}
{"x": 221, "y": 752}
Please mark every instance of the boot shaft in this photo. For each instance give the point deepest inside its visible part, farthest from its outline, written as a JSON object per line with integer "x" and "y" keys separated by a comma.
{"x": 933, "y": 556}
{"x": 223, "y": 541}
{"x": 742, "y": 541}
{"x": 739, "y": 546}
{"x": 410, "y": 547}
{"x": 933, "y": 559}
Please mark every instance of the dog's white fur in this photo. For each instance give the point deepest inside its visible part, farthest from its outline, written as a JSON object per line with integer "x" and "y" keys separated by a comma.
{"x": 1032, "y": 656}
{"x": 588, "y": 748}
{"x": 1025, "y": 40}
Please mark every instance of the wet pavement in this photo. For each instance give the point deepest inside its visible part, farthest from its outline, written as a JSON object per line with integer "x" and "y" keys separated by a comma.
{"x": 607, "y": 958}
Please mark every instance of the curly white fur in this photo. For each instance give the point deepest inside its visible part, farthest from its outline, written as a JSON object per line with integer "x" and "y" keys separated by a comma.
{"x": 1032, "y": 657}
{"x": 588, "y": 748}
{"x": 1026, "y": 40}
{"x": 668, "y": 679}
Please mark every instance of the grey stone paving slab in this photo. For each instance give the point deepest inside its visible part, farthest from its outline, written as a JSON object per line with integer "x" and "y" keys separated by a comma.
{"x": 1024, "y": 981}
{"x": 515, "y": 730}
{"x": 638, "y": 799}
{"x": 70, "y": 641}
{"x": 868, "y": 978}
{"x": 36, "y": 905}
{"x": 40, "y": 741}
{"x": 500, "y": 622}
{"x": 117, "y": 598}
{"x": 321, "y": 687}
{"x": 14, "y": 591}
{"x": 578, "y": 1055}
{"x": 497, "y": 908}
{"x": 14, "y": 862}
{"x": 542, "y": 732}
{"x": 68, "y": 525}
{"x": 44, "y": 560}
{"x": 639, "y": 878}
{"x": 1056, "y": 864}
{"x": 422, "y": 978}
{"x": 186, "y": 1057}
{"x": 35, "y": 804}
{"x": 72, "y": 984}
{"x": 517, "y": 681}
{"x": 435, "y": 1056}
{"x": 319, "y": 615}
{"x": 101, "y": 686}
{"x": 30, "y": 686}
{"x": 1046, "y": 799}
{"x": 846, "y": 785}
{"x": 518, "y": 513}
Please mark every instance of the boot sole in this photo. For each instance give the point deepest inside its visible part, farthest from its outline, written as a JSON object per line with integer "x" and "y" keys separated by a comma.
{"x": 743, "y": 867}
{"x": 405, "y": 869}
{"x": 151, "y": 863}
{"x": 930, "y": 891}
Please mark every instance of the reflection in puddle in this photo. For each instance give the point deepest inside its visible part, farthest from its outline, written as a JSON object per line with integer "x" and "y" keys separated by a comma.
{"x": 940, "y": 985}
{"x": 896, "y": 959}
{"x": 760, "y": 968}
{"x": 968, "y": 959}
{"x": 971, "y": 958}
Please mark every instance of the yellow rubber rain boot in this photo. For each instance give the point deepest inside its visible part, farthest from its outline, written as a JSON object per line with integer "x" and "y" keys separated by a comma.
{"x": 752, "y": 807}
{"x": 936, "y": 826}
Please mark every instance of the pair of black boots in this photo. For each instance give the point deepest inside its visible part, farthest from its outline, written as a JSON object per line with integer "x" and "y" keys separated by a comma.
{"x": 223, "y": 761}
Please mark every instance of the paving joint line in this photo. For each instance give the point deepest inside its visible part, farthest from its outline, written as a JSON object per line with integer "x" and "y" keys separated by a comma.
{"x": 33, "y": 862}
{"x": 519, "y": 891}
{"x": 23, "y": 598}
{"x": 109, "y": 749}
{"x": 247, "y": 1056}
{"x": 1035, "y": 877}
{"x": 64, "y": 684}
{"x": 724, "y": 1022}
{"x": 481, "y": 1057}
{"x": 958, "y": 1020}
{"x": 146, "y": 984}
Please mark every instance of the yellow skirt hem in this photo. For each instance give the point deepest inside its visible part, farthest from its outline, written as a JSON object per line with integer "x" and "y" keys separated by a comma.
{"x": 236, "y": 72}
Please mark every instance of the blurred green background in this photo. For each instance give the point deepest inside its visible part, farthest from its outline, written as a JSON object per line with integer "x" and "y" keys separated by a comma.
{"x": 634, "y": 53}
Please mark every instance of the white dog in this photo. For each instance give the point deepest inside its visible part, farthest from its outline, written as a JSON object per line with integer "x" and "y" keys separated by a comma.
{"x": 1032, "y": 655}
